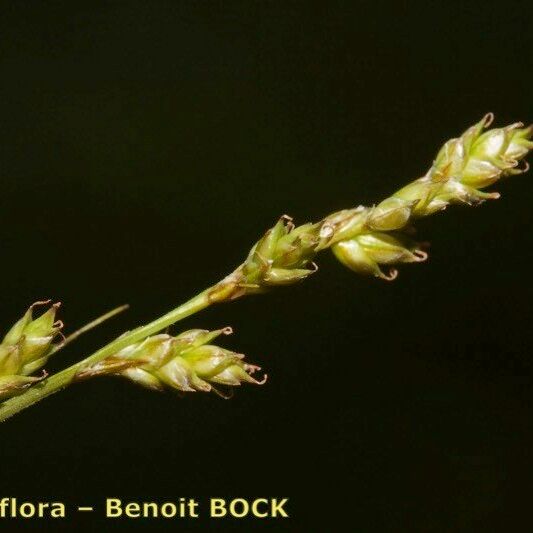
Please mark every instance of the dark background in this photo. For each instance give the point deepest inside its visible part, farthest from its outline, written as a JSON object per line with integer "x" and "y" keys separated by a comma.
{"x": 146, "y": 145}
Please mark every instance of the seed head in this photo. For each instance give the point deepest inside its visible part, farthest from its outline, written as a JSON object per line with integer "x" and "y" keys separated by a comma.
{"x": 283, "y": 256}
{"x": 26, "y": 348}
{"x": 468, "y": 164}
{"x": 185, "y": 363}
{"x": 360, "y": 238}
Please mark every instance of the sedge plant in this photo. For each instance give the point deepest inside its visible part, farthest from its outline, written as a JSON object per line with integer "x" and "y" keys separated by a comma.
{"x": 368, "y": 240}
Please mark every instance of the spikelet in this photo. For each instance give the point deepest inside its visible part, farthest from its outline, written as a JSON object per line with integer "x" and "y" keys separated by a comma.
{"x": 283, "y": 256}
{"x": 186, "y": 363}
{"x": 462, "y": 169}
{"x": 26, "y": 348}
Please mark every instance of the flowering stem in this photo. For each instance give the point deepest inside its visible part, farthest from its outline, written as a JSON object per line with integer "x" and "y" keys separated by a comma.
{"x": 62, "y": 379}
{"x": 363, "y": 238}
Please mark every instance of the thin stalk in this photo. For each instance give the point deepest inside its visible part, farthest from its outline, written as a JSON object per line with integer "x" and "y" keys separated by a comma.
{"x": 84, "y": 329}
{"x": 62, "y": 379}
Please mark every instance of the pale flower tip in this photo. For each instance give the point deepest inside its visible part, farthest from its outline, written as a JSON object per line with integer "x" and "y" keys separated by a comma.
{"x": 391, "y": 276}
{"x": 420, "y": 256}
{"x": 287, "y": 222}
{"x": 262, "y": 381}
{"x": 220, "y": 394}
{"x": 515, "y": 126}
{"x": 228, "y": 330}
{"x": 252, "y": 369}
{"x": 41, "y": 302}
{"x": 488, "y": 119}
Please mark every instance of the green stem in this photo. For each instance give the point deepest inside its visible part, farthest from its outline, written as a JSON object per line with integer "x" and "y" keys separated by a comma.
{"x": 62, "y": 379}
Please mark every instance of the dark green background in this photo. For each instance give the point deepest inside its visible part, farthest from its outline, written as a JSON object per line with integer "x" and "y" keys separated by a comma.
{"x": 144, "y": 146}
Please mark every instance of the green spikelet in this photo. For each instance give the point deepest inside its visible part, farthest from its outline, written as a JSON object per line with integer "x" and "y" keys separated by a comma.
{"x": 26, "y": 348}
{"x": 186, "y": 363}
{"x": 365, "y": 238}
{"x": 467, "y": 165}
{"x": 283, "y": 256}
